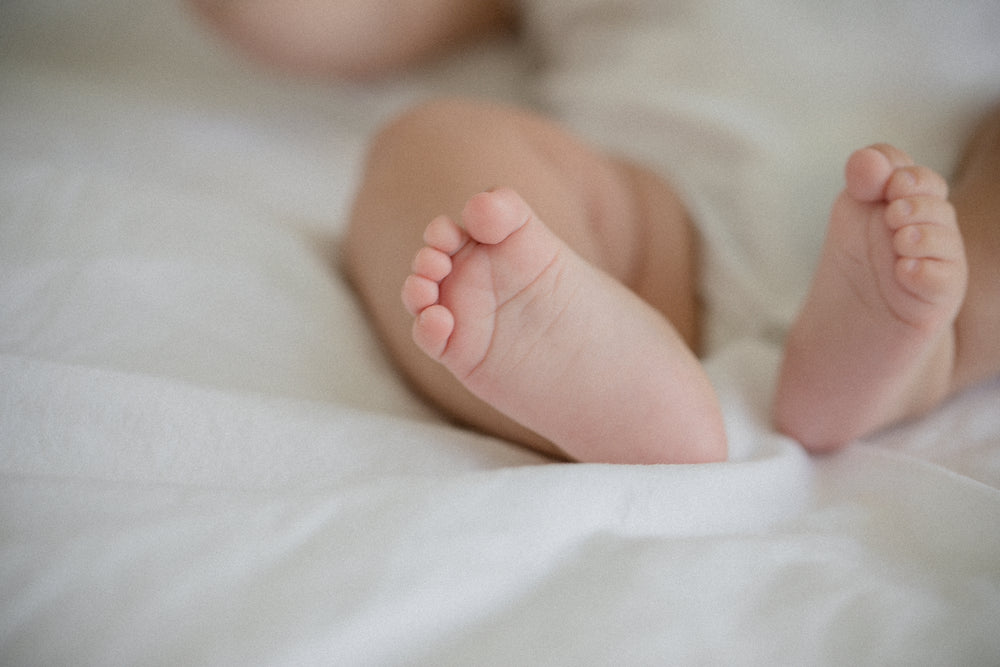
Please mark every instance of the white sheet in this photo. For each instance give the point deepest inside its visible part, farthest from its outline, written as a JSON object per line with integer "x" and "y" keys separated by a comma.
{"x": 204, "y": 458}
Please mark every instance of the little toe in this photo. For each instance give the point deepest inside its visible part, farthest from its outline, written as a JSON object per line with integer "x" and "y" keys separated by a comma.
{"x": 490, "y": 217}
{"x": 432, "y": 264}
{"x": 432, "y": 328}
{"x": 418, "y": 293}
{"x": 443, "y": 234}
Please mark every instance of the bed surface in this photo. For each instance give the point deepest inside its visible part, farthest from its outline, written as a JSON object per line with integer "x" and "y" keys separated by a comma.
{"x": 205, "y": 458}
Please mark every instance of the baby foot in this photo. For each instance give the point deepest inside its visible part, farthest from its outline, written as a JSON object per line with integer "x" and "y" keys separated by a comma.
{"x": 549, "y": 340}
{"x": 874, "y": 342}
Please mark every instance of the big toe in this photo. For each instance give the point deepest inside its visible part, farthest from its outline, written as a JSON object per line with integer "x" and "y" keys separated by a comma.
{"x": 868, "y": 171}
{"x": 491, "y": 216}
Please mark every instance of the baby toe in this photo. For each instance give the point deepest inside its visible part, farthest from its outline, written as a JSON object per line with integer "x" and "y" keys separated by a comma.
{"x": 897, "y": 157}
{"x": 492, "y": 216}
{"x": 443, "y": 234}
{"x": 432, "y": 328}
{"x": 927, "y": 241}
{"x": 418, "y": 293}
{"x": 921, "y": 210}
{"x": 933, "y": 282}
{"x": 915, "y": 181}
{"x": 432, "y": 264}
{"x": 866, "y": 173}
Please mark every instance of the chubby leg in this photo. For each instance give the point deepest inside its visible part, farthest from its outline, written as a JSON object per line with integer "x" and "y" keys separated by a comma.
{"x": 975, "y": 193}
{"x": 875, "y": 340}
{"x": 614, "y": 228}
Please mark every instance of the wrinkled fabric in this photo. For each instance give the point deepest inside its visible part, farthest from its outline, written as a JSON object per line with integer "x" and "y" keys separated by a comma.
{"x": 206, "y": 459}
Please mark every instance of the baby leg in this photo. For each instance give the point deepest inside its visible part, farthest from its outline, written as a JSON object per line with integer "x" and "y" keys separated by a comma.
{"x": 875, "y": 340}
{"x": 526, "y": 321}
{"x": 976, "y": 196}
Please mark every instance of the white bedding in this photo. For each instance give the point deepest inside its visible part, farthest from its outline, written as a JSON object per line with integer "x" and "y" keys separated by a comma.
{"x": 205, "y": 458}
